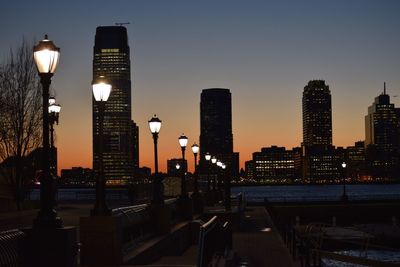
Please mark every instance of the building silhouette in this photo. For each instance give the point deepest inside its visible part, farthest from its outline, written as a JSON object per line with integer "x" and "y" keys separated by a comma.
{"x": 171, "y": 167}
{"x": 111, "y": 59}
{"x": 382, "y": 137}
{"x": 320, "y": 162}
{"x": 356, "y": 164}
{"x": 317, "y": 114}
{"x": 273, "y": 164}
{"x": 216, "y": 135}
{"x": 77, "y": 176}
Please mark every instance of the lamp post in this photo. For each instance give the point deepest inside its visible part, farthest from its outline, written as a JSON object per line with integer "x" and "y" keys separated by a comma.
{"x": 46, "y": 56}
{"x": 344, "y": 194}
{"x": 54, "y": 111}
{"x": 183, "y": 142}
{"x": 208, "y": 158}
{"x": 227, "y": 187}
{"x": 214, "y": 161}
{"x": 155, "y": 126}
{"x": 195, "y": 150}
{"x": 101, "y": 92}
{"x": 219, "y": 164}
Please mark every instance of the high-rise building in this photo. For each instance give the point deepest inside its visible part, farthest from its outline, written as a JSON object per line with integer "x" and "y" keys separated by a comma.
{"x": 319, "y": 159}
{"x": 111, "y": 60}
{"x": 317, "y": 114}
{"x": 382, "y": 137}
{"x": 216, "y": 127}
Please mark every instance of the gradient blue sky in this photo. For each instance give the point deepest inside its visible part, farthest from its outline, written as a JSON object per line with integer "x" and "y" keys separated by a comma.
{"x": 264, "y": 51}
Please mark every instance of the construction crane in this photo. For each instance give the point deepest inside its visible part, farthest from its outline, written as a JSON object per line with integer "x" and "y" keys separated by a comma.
{"x": 122, "y": 23}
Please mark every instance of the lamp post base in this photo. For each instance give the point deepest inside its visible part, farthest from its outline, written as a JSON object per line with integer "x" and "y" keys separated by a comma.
{"x": 198, "y": 202}
{"x": 160, "y": 215}
{"x": 50, "y": 247}
{"x": 101, "y": 240}
{"x": 100, "y": 211}
{"x": 185, "y": 205}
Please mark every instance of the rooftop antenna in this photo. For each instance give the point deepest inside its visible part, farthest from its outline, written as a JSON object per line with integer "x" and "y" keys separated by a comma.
{"x": 384, "y": 88}
{"x": 122, "y": 23}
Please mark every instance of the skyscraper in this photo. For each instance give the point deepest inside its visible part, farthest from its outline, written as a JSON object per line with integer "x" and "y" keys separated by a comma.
{"x": 216, "y": 126}
{"x": 111, "y": 60}
{"x": 320, "y": 164}
{"x": 317, "y": 114}
{"x": 382, "y": 136}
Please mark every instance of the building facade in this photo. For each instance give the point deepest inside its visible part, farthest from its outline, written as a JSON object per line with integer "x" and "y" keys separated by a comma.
{"x": 274, "y": 164}
{"x": 111, "y": 59}
{"x": 319, "y": 161}
{"x": 382, "y": 138}
{"x": 77, "y": 176}
{"x": 356, "y": 163}
{"x": 216, "y": 135}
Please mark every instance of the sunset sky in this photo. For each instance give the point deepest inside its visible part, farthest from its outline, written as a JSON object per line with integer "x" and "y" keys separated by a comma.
{"x": 265, "y": 52}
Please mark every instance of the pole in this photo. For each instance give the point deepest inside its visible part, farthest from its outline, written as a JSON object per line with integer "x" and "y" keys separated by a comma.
{"x": 100, "y": 206}
{"x": 47, "y": 216}
{"x": 155, "y": 138}
{"x": 51, "y": 132}
{"x": 196, "y": 186}
{"x": 208, "y": 176}
{"x": 183, "y": 184}
{"x": 157, "y": 194}
{"x": 227, "y": 186}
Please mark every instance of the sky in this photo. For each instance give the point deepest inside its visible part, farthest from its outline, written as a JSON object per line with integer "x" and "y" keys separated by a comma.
{"x": 265, "y": 52}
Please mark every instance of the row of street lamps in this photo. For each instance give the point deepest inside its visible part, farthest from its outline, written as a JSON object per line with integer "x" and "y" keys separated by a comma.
{"x": 46, "y": 56}
{"x": 47, "y": 223}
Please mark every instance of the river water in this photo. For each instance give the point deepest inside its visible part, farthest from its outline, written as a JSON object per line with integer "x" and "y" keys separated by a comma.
{"x": 299, "y": 193}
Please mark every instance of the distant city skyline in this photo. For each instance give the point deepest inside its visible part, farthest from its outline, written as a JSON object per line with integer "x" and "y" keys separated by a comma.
{"x": 264, "y": 51}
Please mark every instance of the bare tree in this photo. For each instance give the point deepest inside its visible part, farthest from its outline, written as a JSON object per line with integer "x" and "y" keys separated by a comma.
{"x": 20, "y": 114}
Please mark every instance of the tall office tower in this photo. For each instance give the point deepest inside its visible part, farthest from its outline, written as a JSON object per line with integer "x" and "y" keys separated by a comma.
{"x": 319, "y": 160}
{"x": 111, "y": 60}
{"x": 216, "y": 127}
{"x": 317, "y": 114}
{"x": 382, "y": 137}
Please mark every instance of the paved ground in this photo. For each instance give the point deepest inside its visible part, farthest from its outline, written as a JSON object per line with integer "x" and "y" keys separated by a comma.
{"x": 259, "y": 244}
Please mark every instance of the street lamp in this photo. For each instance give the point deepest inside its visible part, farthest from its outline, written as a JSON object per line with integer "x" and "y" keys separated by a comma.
{"x": 344, "y": 194}
{"x": 46, "y": 56}
{"x": 183, "y": 140}
{"x": 227, "y": 188}
{"x": 101, "y": 92}
{"x": 207, "y": 156}
{"x": 195, "y": 150}
{"x": 54, "y": 111}
{"x": 214, "y": 161}
{"x": 155, "y": 126}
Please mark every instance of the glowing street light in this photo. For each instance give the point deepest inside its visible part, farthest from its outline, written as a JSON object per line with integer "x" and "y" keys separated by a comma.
{"x": 46, "y": 56}
{"x": 195, "y": 150}
{"x": 155, "y": 126}
{"x": 183, "y": 140}
{"x": 101, "y": 91}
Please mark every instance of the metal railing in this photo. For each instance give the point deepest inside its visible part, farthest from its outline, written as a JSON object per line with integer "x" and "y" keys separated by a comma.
{"x": 9, "y": 253}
